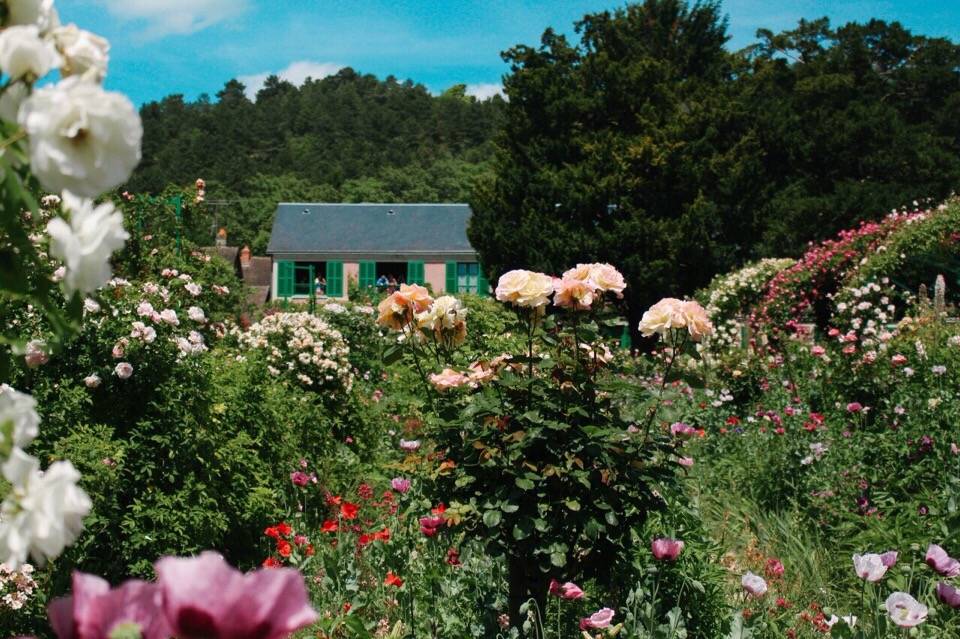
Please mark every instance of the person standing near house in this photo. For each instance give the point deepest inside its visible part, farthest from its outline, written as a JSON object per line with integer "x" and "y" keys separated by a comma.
{"x": 320, "y": 286}
{"x": 382, "y": 282}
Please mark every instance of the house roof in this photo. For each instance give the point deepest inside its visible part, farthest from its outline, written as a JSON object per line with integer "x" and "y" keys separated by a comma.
{"x": 368, "y": 231}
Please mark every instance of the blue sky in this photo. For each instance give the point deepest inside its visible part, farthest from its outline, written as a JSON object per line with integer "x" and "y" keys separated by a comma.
{"x": 191, "y": 47}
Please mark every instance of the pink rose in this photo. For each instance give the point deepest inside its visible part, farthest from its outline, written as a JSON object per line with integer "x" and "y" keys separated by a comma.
{"x": 123, "y": 370}
{"x": 447, "y": 379}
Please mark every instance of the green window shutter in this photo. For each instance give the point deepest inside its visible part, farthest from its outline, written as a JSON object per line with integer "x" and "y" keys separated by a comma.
{"x": 284, "y": 279}
{"x": 368, "y": 274}
{"x": 335, "y": 279}
{"x": 415, "y": 273}
{"x": 483, "y": 286}
{"x": 451, "y": 286}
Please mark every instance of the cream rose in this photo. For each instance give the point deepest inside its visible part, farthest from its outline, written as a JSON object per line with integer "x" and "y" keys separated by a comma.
{"x": 447, "y": 379}
{"x": 663, "y": 316}
{"x": 82, "y": 51}
{"x": 525, "y": 288}
{"x": 82, "y": 139}
{"x": 607, "y": 278}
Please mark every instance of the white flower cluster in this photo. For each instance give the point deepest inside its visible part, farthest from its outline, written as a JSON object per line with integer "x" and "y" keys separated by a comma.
{"x": 866, "y": 312}
{"x": 80, "y": 139}
{"x": 731, "y": 295}
{"x": 302, "y": 346}
{"x": 43, "y": 511}
{"x": 16, "y": 586}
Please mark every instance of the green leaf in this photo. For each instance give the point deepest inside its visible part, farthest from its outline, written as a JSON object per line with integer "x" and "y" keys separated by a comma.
{"x": 572, "y": 504}
{"x": 523, "y": 483}
{"x": 392, "y": 354}
{"x": 492, "y": 518}
{"x": 558, "y": 559}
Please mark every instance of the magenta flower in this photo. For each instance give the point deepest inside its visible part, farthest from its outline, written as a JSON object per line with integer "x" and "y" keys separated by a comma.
{"x": 204, "y": 597}
{"x": 666, "y": 549}
{"x": 686, "y": 462}
{"x": 299, "y": 478}
{"x": 948, "y": 594}
{"x": 430, "y": 526}
{"x": 938, "y": 559}
{"x": 679, "y": 429}
{"x": 889, "y": 558}
{"x": 400, "y": 484}
{"x": 568, "y": 590}
{"x": 599, "y": 619}
{"x": 94, "y": 610}
{"x": 854, "y": 407}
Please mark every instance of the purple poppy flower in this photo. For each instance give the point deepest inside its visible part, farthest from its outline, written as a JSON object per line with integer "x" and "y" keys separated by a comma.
{"x": 95, "y": 610}
{"x": 666, "y": 549}
{"x": 938, "y": 559}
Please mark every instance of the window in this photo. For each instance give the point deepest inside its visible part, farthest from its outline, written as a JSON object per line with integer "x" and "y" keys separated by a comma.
{"x": 468, "y": 274}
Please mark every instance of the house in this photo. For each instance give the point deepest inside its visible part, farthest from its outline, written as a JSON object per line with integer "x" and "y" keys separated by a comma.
{"x": 361, "y": 243}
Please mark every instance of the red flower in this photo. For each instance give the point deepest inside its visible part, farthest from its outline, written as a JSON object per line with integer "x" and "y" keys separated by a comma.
{"x": 329, "y": 526}
{"x": 283, "y": 547}
{"x": 774, "y": 568}
{"x": 271, "y": 562}
{"x": 440, "y": 509}
{"x": 382, "y": 535}
{"x": 272, "y": 531}
{"x": 392, "y": 580}
{"x": 309, "y": 550}
{"x": 430, "y": 526}
{"x": 733, "y": 420}
{"x": 334, "y": 500}
{"x": 364, "y": 540}
{"x": 346, "y": 607}
{"x": 284, "y": 528}
{"x": 365, "y": 491}
{"x": 453, "y": 558}
{"x": 349, "y": 510}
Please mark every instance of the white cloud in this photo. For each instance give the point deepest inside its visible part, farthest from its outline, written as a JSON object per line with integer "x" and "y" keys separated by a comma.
{"x": 296, "y": 73}
{"x": 175, "y": 17}
{"x": 485, "y": 91}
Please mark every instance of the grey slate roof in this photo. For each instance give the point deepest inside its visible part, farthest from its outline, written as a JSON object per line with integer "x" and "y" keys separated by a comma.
{"x": 370, "y": 231}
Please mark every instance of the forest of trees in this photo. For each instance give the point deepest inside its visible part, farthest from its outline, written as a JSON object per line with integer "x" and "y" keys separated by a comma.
{"x": 648, "y": 143}
{"x": 345, "y": 138}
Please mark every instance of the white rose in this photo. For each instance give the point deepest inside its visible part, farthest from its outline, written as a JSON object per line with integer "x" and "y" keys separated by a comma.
{"x": 169, "y": 316}
{"x": 525, "y": 288}
{"x": 663, "y": 316}
{"x": 11, "y": 99}
{"x": 91, "y": 306}
{"x": 19, "y": 411}
{"x": 81, "y": 51}
{"x": 86, "y": 243}
{"x": 82, "y": 139}
{"x": 24, "y": 54}
{"x": 92, "y": 381}
{"x": 36, "y": 12}
{"x": 43, "y": 513}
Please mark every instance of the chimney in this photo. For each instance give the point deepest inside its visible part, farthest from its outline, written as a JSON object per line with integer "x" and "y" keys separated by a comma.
{"x": 222, "y": 237}
{"x": 245, "y": 257}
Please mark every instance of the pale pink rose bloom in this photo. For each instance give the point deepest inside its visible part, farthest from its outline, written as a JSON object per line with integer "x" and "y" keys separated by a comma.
{"x": 898, "y": 360}
{"x": 818, "y": 351}
{"x": 666, "y": 549}
{"x": 524, "y": 288}
{"x": 661, "y": 317}
{"x": 599, "y": 619}
{"x": 123, "y": 370}
{"x": 698, "y": 324}
{"x": 686, "y": 462}
{"x": 120, "y": 348}
{"x": 169, "y": 316}
{"x": 938, "y": 559}
{"x": 869, "y": 567}
{"x": 193, "y": 289}
{"x": 905, "y": 611}
{"x": 92, "y": 381}
{"x": 447, "y": 379}
{"x": 854, "y": 407}
{"x": 36, "y": 354}
{"x": 574, "y": 294}
{"x": 679, "y": 429}
{"x": 755, "y": 585}
{"x": 95, "y": 610}
{"x": 479, "y": 374}
{"x": 204, "y": 597}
